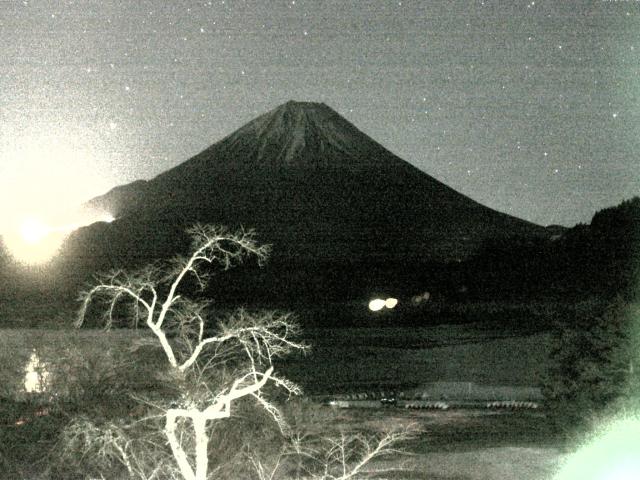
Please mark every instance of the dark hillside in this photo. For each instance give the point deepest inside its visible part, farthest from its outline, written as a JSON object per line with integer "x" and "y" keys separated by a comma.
{"x": 602, "y": 259}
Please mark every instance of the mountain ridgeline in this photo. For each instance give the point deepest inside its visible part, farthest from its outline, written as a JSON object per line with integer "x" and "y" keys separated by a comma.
{"x": 598, "y": 260}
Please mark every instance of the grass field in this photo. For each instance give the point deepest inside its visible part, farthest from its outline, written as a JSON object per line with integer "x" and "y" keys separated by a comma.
{"x": 340, "y": 360}
{"x": 463, "y": 444}
{"x": 352, "y": 359}
{"x": 453, "y": 445}
{"x": 457, "y": 444}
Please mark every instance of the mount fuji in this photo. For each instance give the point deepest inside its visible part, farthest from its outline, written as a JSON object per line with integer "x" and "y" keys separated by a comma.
{"x": 312, "y": 185}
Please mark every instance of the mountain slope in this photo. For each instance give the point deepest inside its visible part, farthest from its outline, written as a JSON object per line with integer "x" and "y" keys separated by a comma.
{"x": 314, "y": 186}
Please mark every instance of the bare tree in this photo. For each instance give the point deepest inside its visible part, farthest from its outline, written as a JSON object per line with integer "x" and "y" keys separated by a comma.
{"x": 212, "y": 369}
{"x": 237, "y": 357}
{"x": 347, "y": 456}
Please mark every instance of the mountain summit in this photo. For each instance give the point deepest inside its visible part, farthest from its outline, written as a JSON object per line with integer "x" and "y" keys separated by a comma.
{"x": 303, "y": 135}
{"x": 296, "y": 138}
{"x": 311, "y": 184}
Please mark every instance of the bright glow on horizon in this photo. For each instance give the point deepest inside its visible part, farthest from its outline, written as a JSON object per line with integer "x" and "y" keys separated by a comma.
{"x": 47, "y": 175}
{"x": 33, "y": 230}
{"x": 33, "y": 241}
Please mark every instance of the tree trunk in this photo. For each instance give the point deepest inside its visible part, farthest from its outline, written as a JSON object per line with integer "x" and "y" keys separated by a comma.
{"x": 202, "y": 441}
{"x": 176, "y": 448}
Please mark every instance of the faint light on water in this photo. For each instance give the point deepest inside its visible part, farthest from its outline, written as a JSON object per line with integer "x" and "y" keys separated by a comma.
{"x": 36, "y": 376}
{"x": 613, "y": 455}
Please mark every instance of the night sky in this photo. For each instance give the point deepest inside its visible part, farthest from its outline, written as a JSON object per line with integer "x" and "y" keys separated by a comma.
{"x": 530, "y": 108}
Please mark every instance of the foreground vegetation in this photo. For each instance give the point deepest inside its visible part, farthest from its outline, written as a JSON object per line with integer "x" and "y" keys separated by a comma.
{"x": 528, "y": 442}
{"x": 31, "y": 450}
{"x": 200, "y": 396}
{"x": 196, "y": 423}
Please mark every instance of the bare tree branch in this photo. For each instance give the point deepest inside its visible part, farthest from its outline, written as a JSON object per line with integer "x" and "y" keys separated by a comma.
{"x": 179, "y": 325}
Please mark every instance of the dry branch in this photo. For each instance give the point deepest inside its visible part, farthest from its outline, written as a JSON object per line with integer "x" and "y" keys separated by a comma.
{"x": 179, "y": 325}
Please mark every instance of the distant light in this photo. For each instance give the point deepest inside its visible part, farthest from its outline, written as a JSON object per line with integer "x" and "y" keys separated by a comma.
{"x": 377, "y": 304}
{"x": 36, "y": 378}
{"x": 418, "y": 299}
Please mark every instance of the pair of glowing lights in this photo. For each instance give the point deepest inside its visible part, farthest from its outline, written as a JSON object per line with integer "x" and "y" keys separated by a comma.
{"x": 378, "y": 304}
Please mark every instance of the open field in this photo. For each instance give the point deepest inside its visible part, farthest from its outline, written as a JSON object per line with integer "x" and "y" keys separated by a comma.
{"x": 340, "y": 360}
{"x": 456, "y": 444}
{"x": 355, "y": 359}
{"x": 468, "y": 445}
{"x": 491, "y": 463}
{"x": 452, "y": 445}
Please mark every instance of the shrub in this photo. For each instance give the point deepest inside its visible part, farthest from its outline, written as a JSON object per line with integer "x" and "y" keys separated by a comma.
{"x": 594, "y": 364}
